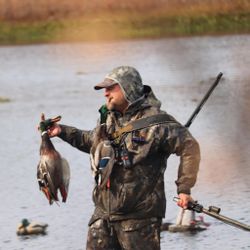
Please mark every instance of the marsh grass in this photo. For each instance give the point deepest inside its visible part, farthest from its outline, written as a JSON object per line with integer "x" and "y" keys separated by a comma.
{"x": 109, "y": 20}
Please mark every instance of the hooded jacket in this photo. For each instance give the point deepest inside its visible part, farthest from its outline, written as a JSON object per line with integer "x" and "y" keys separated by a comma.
{"x": 138, "y": 192}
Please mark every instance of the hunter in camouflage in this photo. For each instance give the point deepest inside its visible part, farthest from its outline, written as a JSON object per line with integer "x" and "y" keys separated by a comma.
{"x": 129, "y": 193}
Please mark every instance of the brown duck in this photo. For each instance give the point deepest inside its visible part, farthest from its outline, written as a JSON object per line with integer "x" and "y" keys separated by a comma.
{"x": 53, "y": 171}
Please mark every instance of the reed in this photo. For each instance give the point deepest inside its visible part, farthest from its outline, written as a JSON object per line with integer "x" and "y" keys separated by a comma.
{"x": 45, "y": 21}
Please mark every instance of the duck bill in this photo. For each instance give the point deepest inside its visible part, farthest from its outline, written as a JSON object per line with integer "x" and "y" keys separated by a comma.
{"x": 56, "y": 119}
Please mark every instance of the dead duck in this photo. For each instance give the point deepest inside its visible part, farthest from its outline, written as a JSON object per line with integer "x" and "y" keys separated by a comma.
{"x": 53, "y": 171}
{"x": 27, "y": 228}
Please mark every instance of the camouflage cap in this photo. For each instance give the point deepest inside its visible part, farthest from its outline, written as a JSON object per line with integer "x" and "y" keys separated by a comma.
{"x": 106, "y": 83}
{"x": 129, "y": 80}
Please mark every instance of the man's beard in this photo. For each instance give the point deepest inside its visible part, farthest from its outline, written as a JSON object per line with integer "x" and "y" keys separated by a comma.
{"x": 110, "y": 105}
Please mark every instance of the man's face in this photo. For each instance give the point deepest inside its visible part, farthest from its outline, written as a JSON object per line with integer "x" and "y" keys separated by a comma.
{"x": 115, "y": 98}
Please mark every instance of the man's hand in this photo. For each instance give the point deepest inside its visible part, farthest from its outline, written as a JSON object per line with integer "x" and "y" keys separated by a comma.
{"x": 50, "y": 125}
{"x": 55, "y": 130}
{"x": 183, "y": 200}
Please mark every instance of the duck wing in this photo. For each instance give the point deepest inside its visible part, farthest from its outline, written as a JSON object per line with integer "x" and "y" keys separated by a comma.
{"x": 46, "y": 180}
{"x": 64, "y": 187}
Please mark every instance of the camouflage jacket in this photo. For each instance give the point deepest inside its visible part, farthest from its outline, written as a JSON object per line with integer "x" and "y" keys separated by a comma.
{"x": 138, "y": 191}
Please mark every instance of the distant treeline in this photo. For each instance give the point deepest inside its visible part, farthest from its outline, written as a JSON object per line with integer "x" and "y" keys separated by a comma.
{"x": 13, "y": 10}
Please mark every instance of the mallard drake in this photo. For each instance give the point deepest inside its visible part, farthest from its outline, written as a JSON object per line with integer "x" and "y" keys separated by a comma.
{"x": 53, "y": 171}
{"x": 26, "y": 228}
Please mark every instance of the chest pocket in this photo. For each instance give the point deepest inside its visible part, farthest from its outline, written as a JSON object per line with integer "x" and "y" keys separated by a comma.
{"x": 140, "y": 143}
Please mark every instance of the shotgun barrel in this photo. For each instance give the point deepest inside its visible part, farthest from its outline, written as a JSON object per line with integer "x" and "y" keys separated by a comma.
{"x": 209, "y": 92}
{"x": 225, "y": 219}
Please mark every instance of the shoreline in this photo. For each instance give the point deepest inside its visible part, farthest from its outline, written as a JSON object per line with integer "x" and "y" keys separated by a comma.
{"x": 122, "y": 26}
{"x": 121, "y": 39}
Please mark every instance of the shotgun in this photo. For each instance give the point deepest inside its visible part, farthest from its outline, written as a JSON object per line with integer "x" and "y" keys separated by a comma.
{"x": 215, "y": 213}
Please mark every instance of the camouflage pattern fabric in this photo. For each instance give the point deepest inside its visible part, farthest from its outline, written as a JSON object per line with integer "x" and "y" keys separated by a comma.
{"x": 124, "y": 235}
{"x": 129, "y": 80}
{"x": 138, "y": 191}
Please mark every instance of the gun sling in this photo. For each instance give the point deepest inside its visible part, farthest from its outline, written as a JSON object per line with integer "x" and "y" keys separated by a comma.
{"x": 142, "y": 123}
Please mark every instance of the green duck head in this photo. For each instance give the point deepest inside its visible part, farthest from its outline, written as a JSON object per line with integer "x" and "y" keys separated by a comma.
{"x": 25, "y": 222}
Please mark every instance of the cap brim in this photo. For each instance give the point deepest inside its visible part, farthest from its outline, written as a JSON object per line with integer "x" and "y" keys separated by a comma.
{"x": 105, "y": 84}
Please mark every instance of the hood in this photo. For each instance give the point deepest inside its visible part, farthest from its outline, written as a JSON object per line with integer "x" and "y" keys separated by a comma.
{"x": 150, "y": 97}
{"x": 147, "y": 100}
{"x": 129, "y": 80}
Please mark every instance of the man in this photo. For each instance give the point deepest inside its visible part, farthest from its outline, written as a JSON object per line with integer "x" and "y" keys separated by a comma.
{"x": 129, "y": 163}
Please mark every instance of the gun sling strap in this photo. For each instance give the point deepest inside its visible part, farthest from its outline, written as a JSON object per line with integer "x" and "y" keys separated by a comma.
{"x": 142, "y": 123}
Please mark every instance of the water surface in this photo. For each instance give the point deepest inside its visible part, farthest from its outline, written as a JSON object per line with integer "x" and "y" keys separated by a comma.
{"x": 59, "y": 79}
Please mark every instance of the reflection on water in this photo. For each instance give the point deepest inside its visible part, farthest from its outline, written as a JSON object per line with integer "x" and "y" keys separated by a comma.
{"x": 59, "y": 79}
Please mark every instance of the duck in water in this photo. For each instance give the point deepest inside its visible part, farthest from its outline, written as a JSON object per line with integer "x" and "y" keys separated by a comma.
{"x": 53, "y": 171}
{"x": 26, "y": 227}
